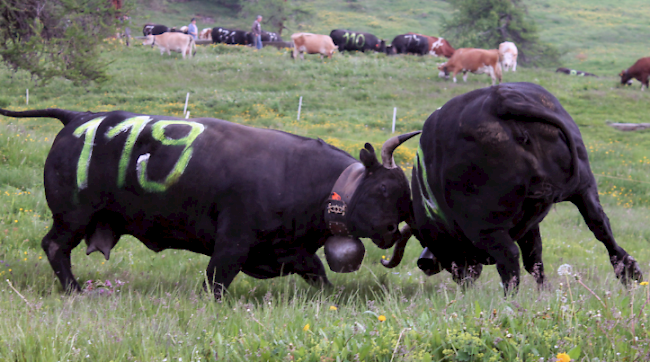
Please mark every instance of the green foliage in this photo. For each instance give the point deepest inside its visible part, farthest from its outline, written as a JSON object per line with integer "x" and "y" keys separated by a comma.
{"x": 487, "y": 23}
{"x": 56, "y": 38}
{"x": 276, "y": 13}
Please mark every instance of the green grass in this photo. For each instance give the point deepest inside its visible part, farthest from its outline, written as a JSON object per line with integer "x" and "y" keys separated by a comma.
{"x": 161, "y": 312}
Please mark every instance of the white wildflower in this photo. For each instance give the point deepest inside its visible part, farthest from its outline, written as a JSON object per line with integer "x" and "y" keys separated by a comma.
{"x": 565, "y": 269}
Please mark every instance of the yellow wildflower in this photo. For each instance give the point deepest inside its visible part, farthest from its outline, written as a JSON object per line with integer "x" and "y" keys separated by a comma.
{"x": 381, "y": 318}
{"x": 333, "y": 307}
{"x": 643, "y": 283}
{"x": 563, "y": 357}
{"x": 306, "y": 327}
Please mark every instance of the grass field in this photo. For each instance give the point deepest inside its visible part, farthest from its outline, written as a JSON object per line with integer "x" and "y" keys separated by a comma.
{"x": 142, "y": 306}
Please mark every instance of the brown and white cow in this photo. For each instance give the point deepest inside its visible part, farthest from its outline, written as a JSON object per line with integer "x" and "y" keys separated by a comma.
{"x": 312, "y": 44}
{"x": 640, "y": 70}
{"x": 508, "y": 55}
{"x": 438, "y": 47}
{"x": 477, "y": 61}
{"x": 178, "y": 42}
{"x": 206, "y": 34}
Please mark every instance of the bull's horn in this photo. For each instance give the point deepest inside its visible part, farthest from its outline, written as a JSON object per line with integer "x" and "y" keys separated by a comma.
{"x": 390, "y": 146}
{"x": 400, "y": 246}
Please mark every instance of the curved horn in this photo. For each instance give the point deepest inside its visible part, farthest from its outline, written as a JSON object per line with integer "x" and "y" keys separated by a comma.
{"x": 390, "y": 146}
{"x": 400, "y": 246}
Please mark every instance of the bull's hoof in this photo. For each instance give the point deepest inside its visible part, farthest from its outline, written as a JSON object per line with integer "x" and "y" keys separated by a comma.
{"x": 627, "y": 269}
{"x": 428, "y": 263}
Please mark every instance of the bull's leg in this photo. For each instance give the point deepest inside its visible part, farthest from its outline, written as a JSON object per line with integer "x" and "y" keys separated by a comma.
{"x": 514, "y": 66}
{"x": 531, "y": 253}
{"x": 312, "y": 270}
{"x": 499, "y": 245}
{"x": 588, "y": 203}
{"x": 231, "y": 250}
{"x": 465, "y": 77}
{"x": 58, "y": 244}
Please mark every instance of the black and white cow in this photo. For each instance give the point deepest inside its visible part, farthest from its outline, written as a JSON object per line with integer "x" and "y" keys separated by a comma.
{"x": 348, "y": 40}
{"x": 255, "y": 200}
{"x": 154, "y": 29}
{"x": 270, "y": 36}
{"x": 231, "y": 36}
{"x": 490, "y": 165}
{"x": 409, "y": 43}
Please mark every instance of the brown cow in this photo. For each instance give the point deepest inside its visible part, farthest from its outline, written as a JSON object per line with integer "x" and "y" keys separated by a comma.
{"x": 178, "y": 42}
{"x": 438, "y": 47}
{"x": 477, "y": 61}
{"x": 640, "y": 70}
{"x": 206, "y": 34}
{"x": 312, "y": 44}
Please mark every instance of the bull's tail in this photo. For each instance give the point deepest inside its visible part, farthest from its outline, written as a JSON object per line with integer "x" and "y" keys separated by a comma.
{"x": 61, "y": 114}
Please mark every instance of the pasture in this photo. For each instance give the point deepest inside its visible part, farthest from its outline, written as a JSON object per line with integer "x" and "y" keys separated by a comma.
{"x": 143, "y": 306}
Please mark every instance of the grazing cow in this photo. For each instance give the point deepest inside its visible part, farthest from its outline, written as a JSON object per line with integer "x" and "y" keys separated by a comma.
{"x": 574, "y": 72}
{"x": 408, "y": 43}
{"x": 230, "y": 36}
{"x": 178, "y": 42}
{"x": 270, "y": 36}
{"x": 357, "y": 41}
{"x": 312, "y": 44}
{"x": 438, "y": 47}
{"x": 490, "y": 165}
{"x": 255, "y": 200}
{"x": 154, "y": 29}
{"x": 205, "y": 34}
{"x": 640, "y": 70}
{"x": 508, "y": 55}
{"x": 477, "y": 61}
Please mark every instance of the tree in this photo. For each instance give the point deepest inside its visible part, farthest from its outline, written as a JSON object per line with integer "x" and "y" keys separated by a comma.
{"x": 488, "y": 23}
{"x": 277, "y": 13}
{"x": 56, "y": 38}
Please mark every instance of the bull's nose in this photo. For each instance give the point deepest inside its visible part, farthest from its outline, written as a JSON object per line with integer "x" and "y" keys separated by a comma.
{"x": 392, "y": 228}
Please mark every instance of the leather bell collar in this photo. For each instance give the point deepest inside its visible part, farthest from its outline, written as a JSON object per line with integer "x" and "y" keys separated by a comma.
{"x": 336, "y": 212}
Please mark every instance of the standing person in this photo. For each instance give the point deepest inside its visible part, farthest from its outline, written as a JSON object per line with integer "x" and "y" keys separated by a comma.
{"x": 257, "y": 32}
{"x": 192, "y": 29}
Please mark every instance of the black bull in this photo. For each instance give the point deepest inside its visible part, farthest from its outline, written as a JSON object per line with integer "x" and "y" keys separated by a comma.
{"x": 231, "y": 36}
{"x": 348, "y": 40}
{"x": 154, "y": 29}
{"x": 490, "y": 165}
{"x": 409, "y": 43}
{"x": 254, "y": 200}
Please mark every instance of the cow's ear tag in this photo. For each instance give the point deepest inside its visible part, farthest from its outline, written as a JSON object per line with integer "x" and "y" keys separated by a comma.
{"x": 335, "y": 196}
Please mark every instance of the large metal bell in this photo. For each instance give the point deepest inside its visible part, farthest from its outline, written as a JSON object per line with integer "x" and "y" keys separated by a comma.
{"x": 344, "y": 254}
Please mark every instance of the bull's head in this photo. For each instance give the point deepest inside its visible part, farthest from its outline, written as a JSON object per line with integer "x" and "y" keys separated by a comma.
{"x": 369, "y": 200}
{"x": 443, "y": 72}
{"x": 382, "y": 46}
{"x": 626, "y": 78}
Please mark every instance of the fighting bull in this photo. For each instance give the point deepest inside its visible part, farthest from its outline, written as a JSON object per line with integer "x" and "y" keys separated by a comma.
{"x": 359, "y": 41}
{"x": 270, "y": 36}
{"x": 490, "y": 165}
{"x": 258, "y": 201}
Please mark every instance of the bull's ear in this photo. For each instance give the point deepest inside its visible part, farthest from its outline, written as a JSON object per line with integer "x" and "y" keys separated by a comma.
{"x": 368, "y": 157}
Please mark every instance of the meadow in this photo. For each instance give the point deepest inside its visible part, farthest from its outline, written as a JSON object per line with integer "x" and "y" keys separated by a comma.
{"x": 143, "y": 306}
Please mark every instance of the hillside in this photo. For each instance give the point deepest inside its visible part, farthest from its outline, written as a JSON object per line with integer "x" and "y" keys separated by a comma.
{"x": 599, "y": 36}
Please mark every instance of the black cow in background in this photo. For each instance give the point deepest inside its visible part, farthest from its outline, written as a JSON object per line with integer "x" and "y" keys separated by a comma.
{"x": 348, "y": 40}
{"x": 409, "y": 43}
{"x": 270, "y": 36}
{"x": 154, "y": 29}
{"x": 231, "y": 36}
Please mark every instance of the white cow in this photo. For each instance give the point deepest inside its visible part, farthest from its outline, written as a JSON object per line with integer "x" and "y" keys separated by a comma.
{"x": 508, "y": 55}
{"x": 178, "y": 42}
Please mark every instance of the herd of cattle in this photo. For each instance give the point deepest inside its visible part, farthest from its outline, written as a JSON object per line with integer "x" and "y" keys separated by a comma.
{"x": 490, "y": 165}
{"x": 462, "y": 60}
